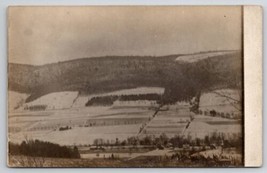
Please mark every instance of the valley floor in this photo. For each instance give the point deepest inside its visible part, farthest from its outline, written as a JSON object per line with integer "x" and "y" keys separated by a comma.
{"x": 82, "y": 126}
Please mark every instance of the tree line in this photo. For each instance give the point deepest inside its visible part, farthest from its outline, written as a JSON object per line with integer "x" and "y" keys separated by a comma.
{"x": 37, "y": 148}
{"x": 213, "y": 140}
{"x": 109, "y": 100}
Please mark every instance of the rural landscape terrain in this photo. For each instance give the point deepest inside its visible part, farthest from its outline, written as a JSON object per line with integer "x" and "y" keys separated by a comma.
{"x": 182, "y": 110}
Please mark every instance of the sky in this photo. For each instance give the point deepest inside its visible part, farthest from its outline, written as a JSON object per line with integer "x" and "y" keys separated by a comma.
{"x": 41, "y": 35}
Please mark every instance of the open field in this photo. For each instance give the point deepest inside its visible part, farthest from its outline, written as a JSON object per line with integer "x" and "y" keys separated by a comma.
{"x": 90, "y": 124}
{"x": 104, "y": 134}
{"x": 201, "y": 56}
{"x": 114, "y": 122}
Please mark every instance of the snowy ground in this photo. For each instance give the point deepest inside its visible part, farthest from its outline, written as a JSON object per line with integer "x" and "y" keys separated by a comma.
{"x": 172, "y": 121}
{"x": 200, "y": 56}
{"x": 80, "y": 135}
{"x": 72, "y": 99}
{"x": 83, "y": 99}
{"x": 175, "y": 121}
{"x": 223, "y": 101}
{"x": 57, "y": 100}
{"x": 200, "y": 129}
{"x": 44, "y": 125}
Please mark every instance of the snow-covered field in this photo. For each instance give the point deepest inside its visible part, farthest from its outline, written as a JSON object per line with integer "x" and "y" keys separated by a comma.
{"x": 56, "y": 100}
{"x": 175, "y": 120}
{"x": 79, "y": 135}
{"x": 201, "y": 129}
{"x": 224, "y": 100}
{"x": 200, "y": 56}
{"x": 171, "y": 122}
{"x": 139, "y": 90}
{"x": 118, "y": 121}
{"x": 110, "y": 124}
{"x": 72, "y": 99}
{"x": 83, "y": 99}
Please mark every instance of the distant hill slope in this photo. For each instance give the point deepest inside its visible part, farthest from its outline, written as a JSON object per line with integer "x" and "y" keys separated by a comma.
{"x": 106, "y": 74}
{"x": 203, "y": 55}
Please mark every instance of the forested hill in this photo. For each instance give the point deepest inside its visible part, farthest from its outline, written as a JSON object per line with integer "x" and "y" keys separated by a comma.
{"x": 104, "y": 74}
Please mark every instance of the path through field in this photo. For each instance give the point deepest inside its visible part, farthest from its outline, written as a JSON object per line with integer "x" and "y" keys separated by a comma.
{"x": 149, "y": 120}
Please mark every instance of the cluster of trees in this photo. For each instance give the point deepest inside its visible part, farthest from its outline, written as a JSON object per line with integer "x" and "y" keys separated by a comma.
{"x": 177, "y": 91}
{"x": 103, "y": 101}
{"x": 135, "y": 97}
{"x": 37, "y": 148}
{"x": 36, "y": 107}
{"x": 109, "y": 100}
{"x": 214, "y": 113}
{"x": 64, "y": 128}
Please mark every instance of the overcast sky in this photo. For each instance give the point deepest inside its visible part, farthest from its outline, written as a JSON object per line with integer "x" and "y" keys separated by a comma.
{"x": 41, "y": 35}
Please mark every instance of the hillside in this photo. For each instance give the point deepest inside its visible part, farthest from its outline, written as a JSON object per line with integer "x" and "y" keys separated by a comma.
{"x": 202, "y": 55}
{"x": 180, "y": 79}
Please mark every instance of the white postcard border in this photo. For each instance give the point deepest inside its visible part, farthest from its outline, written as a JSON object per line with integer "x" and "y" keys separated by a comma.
{"x": 252, "y": 37}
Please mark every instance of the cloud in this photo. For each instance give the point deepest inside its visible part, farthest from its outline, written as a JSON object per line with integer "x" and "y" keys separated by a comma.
{"x": 40, "y": 35}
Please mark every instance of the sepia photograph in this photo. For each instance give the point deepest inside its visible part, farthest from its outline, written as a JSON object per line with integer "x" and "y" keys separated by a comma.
{"x": 125, "y": 86}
